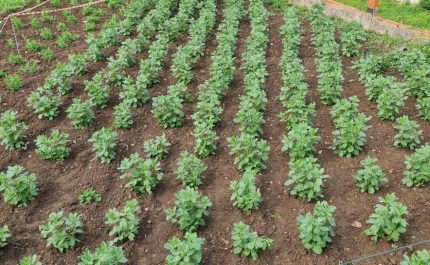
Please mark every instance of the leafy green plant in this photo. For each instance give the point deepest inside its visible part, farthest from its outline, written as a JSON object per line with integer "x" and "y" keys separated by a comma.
{"x": 168, "y": 111}
{"x": 80, "y": 113}
{"x": 46, "y": 18}
{"x": 189, "y": 210}
{"x": 423, "y": 106}
{"x": 247, "y": 243}
{"x": 250, "y": 153}
{"x": 33, "y": 45}
{"x": 300, "y": 141}
{"x": 55, "y": 3}
{"x": 246, "y": 195}
{"x": 408, "y": 135}
{"x": 308, "y": 177}
{"x": 46, "y": 34}
{"x": 205, "y": 138}
{"x": 30, "y": 261}
{"x": 11, "y": 131}
{"x": 184, "y": 252}
{"x": 34, "y": 22}
{"x": 13, "y": 82}
{"x": 78, "y": 64}
{"x": 122, "y": 115}
{"x": 2, "y": 73}
{"x": 61, "y": 26}
{"x": 62, "y": 231}
{"x": 16, "y": 22}
{"x": 418, "y": 167}
{"x": 60, "y": 79}
{"x": 422, "y": 257}
{"x": 375, "y": 85}
{"x": 53, "y": 147}
{"x": 98, "y": 93}
{"x": 157, "y": 148}
{"x": 316, "y": 229}
{"x": 368, "y": 179}
{"x": 104, "y": 144}
{"x": 143, "y": 174}
{"x": 4, "y": 235}
{"x": 30, "y": 67}
{"x": 133, "y": 92}
{"x": 16, "y": 59}
{"x": 88, "y": 195}
{"x": 124, "y": 222}
{"x": 106, "y": 254}
{"x": 47, "y": 54}
{"x": 351, "y": 35}
{"x": 89, "y": 26}
{"x": 390, "y": 100}
{"x": 387, "y": 220}
{"x": 44, "y": 103}
{"x": 190, "y": 170}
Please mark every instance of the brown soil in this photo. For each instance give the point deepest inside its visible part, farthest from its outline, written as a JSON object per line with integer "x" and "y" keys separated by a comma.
{"x": 61, "y": 183}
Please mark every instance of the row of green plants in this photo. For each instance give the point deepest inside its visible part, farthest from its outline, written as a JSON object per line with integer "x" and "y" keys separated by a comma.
{"x": 328, "y": 62}
{"x": 211, "y": 91}
{"x": 168, "y": 108}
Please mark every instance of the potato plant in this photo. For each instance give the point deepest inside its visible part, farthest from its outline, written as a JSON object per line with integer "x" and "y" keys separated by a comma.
{"x": 106, "y": 254}
{"x": 104, "y": 144}
{"x": 13, "y": 82}
{"x": 45, "y": 103}
{"x": 417, "y": 167}
{"x": 157, "y": 148}
{"x": 61, "y": 231}
{"x": 246, "y": 196}
{"x": 80, "y": 113}
{"x": 247, "y": 243}
{"x": 190, "y": 170}
{"x": 408, "y": 135}
{"x": 300, "y": 141}
{"x": 387, "y": 221}
{"x": 189, "y": 210}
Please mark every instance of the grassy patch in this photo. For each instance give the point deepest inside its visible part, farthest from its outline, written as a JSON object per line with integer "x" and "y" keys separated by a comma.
{"x": 12, "y": 5}
{"x": 408, "y": 14}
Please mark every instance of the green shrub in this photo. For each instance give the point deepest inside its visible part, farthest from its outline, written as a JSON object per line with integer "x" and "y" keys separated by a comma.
{"x": 368, "y": 178}
{"x": 189, "y": 210}
{"x": 418, "y": 167}
{"x": 387, "y": 220}
{"x": 247, "y": 243}
{"x": 62, "y": 231}
{"x": 11, "y": 131}
{"x": 53, "y": 147}
{"x": 80, "y": 113}
{"x": 104, "y": 144}
{"x": 316, "y": 229}
{"x": 157, "y": 148}
{"x": 190, "y": 170}
{"x": 124, "y": 222}
{"x": 143, "y": 174}
{"x": 184, "y": 252}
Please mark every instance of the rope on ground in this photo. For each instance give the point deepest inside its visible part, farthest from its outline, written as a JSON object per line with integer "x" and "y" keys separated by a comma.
{"x": 385, "y": 252}
{"x": 25, "y": 12}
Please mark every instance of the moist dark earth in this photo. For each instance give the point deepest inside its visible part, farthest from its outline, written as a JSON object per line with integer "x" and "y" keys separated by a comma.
{"x": 61, "y": 183}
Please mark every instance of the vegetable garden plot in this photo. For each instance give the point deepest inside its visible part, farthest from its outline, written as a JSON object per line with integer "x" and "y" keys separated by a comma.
{"x": 114, "y": 95}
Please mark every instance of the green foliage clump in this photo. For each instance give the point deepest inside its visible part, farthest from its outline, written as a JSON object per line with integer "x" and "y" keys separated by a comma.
{"x": 387, "y": 220}
{"x": 16, "y": 59}
{"x": 78, "y": 64}
{"x": 16, "y": 22}
{"x": 190, "y": 170}
{"x": 168, "y": 111}
{"x": 422, "y": 257}
{"x": 390, "y": 100}
{"x": 80, "y": 113}
{"x": 316, "y": 229}
{"x": 143, "y": 174}
{"x": 13, "y": 82}
{"x": 44, "y": 103}
{"x": 47, "y": 54}
{"x": 368, "y": 179}
{"x": 351, "y": 35}
{"x": 19, "y": 186}
{"x": 30, "y": 67}
{"x": 11, "y": 131}
{"x": 250, "y": 153}
{"x": 106, "y": 254}
{"x": 4, "y": 235}
{"x": 300, "y": 141}
{"x": 308, "y": 177}
{"x": 418, "y": 167}
{"x": 104, "y": 144}
{"x": 157, "y": 148}
{"x": 124, "y": 222}
{"x": 98, "y": 93}
{"x": 189, "y": 210}
{"x": 423, "y": 106}
{"x": 122, "y": 115}
{"x": 205, "y": 138}
{"x": 53, "y": 147}
{"x": 246, "y": 195}
{"x": 33, "y": 45}
{"x": 88, "y": 195}
{"x": 62, "y": 231}
{"x": 184, "y": 252}
{"x": 30, "y": 261}
{"x": 46, "y": 34}
{"x": 408, "y": 135}
{"x": 247, "y": 243}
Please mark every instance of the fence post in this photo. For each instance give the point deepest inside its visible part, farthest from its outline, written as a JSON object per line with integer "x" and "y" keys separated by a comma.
{"x": 372, "y": 7}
